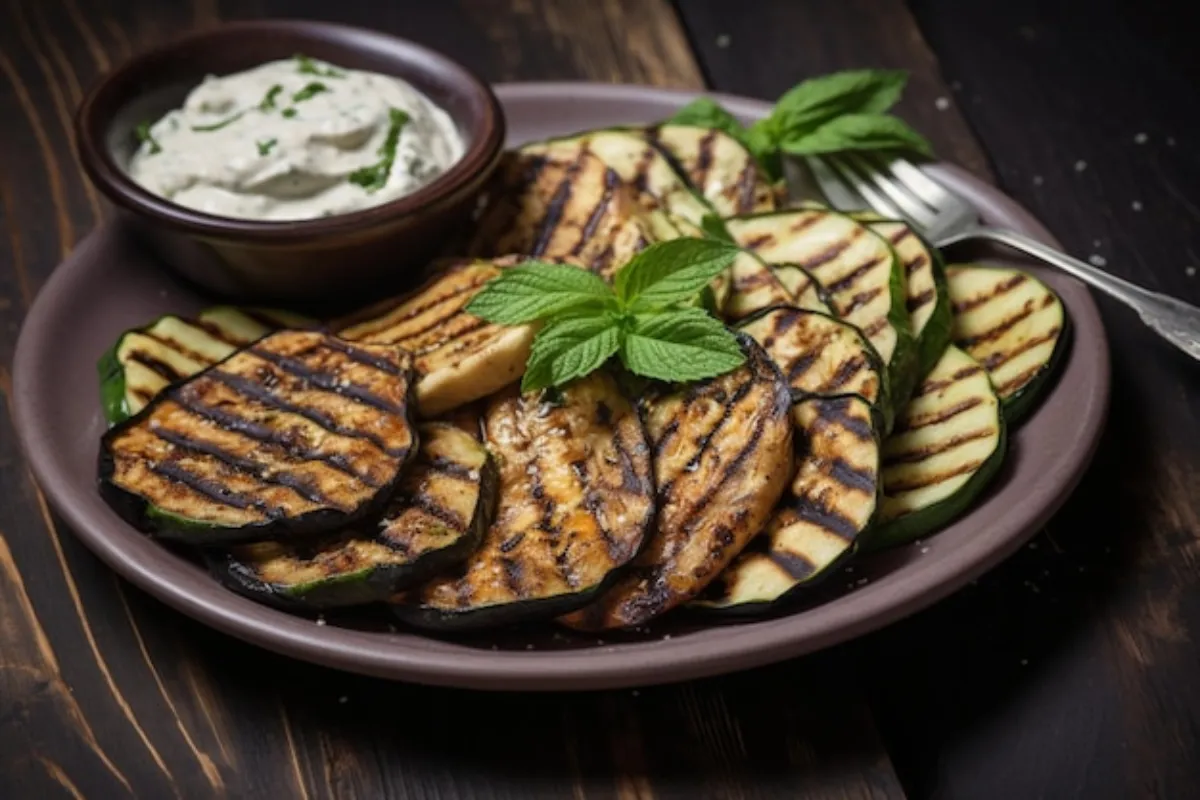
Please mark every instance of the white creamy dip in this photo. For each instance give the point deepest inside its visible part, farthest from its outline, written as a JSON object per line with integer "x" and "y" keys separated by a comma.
{"x": 295, "y": 139}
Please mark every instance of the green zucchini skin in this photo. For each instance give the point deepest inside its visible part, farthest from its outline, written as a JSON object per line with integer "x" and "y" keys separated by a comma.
{"x": 1018, "y": 406}
{"x": 346, "y": 581}
{"x": 896, "y": 526}
{"x": 118, "y": 470}
{"x": 831, "y": 503}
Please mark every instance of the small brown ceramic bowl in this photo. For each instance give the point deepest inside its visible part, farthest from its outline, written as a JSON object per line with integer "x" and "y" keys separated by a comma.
{"x": 347, "y": 256}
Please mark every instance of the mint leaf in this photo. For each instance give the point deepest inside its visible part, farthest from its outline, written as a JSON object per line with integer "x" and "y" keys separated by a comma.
{"x": 375, "y": 177}
{"x": 683, "y": 345}
{"x": 309, "y": 91}
{"x": 570, "y": 349}
{"x": 536, "y": 290}
{"x": 265, "y": 147}
{"x": 704, "y": 112}
{"x": 858, "y": 132}
{"x": 268, "y": 101}
{"x": 142, "y": 132}
{"x": 306, "y": 66}
{"x": 666, "y": 272}
{"x": 714, "y": 227}
{"x": 818, "y": 100}
{"x": 216, "y": 126}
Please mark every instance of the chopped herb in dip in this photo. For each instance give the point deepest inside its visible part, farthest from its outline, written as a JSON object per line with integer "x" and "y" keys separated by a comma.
{"x": 362, "y": 140}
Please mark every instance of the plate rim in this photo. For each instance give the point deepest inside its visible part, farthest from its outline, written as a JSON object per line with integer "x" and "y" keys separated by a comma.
{"x": 716, "y": 650}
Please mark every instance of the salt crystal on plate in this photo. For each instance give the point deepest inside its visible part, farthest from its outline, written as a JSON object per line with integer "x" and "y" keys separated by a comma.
{"x": 1189, "y": 271}
{"x": 1038, "y": 180}
{"x": 942, "y": 103}
{"x": 723, "y": 40}
{"x": 1080, "y": 165}
{"x": 343, "y": 699}
{"x": 1097, "y": 260}
{"x": 1141, "y": 138}
{"x": 1136, "y": 205}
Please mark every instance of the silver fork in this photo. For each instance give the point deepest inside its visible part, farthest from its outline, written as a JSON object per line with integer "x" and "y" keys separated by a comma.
{"x": 899, "y": 190}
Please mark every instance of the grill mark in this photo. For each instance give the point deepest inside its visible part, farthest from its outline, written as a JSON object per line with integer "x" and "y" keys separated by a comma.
{"x": 727, "y": 412}
{"x": 916, "y": 301}
{"x": 838, "y": 411}
{"x": 760, "y": 241}
{"x": 642, "y": 170}
{"x": 509, "y": 544}
{"x": 747, "y": 183}
{"x": 342, "y": 387}
{"x": 943, "y": 446}
{"x": 1013, "y": 384}
{"x": 220, "y": 334}
{"x": 996, "y": 332}
{"x": 848, "y": 369}
{"x": 450, "y": 468}
{"x": 939, "y": 418}
{"x": 920, "y": 483}
{"x": 416, "y": 311}
{"x": 704, "y": 158}
{"x": 845, "y": 473}
{"x": 859, "y": 300}
{"x": 143, "y": 395}
{"x": 902, "y": 233}
{"x": 915, "y": 264}
{"x": 512, "y": 575}
{"x": 246, "y": 466}
{"x": 802, "y": 365}
{"x": 794, "y": 565}
{"x": 929, "y": 387}
{"x": 427, "y": 504}
{"x": 834, "y": 250}
{"x": 1002, "y": 357}
{"x": 783, "y": 321}
{"x": 601, "y": 208}
{"x": 669, "y": 431}
{"x": 160, "y": 368}
{"x": 178, "y": 347}
{"x": 805, "y": 223}
{"x": 811, "y": 510}
{"x": 455, "y": 343}
{"x": 214, "y": 491}
{"x": 1004, "y": 287}
{"x": 262, "y": 433}
{"x": 249, "y": 389}
{"x": 361, "y": 356}
{"x": 630, "y": 481}
{"x": 556, "y": 206}
{"x": 851, "y": 277}
{"x": 875, "y": 327}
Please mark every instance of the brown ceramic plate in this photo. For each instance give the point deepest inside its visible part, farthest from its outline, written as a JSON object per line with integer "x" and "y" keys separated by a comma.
{"x": 107, "y": 286}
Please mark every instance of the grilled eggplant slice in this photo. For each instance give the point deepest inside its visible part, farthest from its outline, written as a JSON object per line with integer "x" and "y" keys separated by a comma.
{"x": 858, "y": 269}
{"x": 565, "y": 204}
{"x": 297, "y": 434}
{"x": 445, "y": 502}
{"x": 1013, "y": 325}
{"x": 753, "y": 287}
{"x": 458, "y": 357}
{"x": 806, "y": 292}
{"x": 946, "y": 447}
{"x": 928, "y": 300}
{"x": 722, "y": 457}
{"x": 144, "y": 360}
{"x": 819, "y": 355}
{"x": 831, "y": 502}
{"x": 576, "y": 503}
{"x": 717, "y": 166}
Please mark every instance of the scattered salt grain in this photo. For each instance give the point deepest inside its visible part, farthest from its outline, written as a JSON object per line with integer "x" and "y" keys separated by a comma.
{"x": 1170, "y": 141}
{"x": 956, "y": 86}
{"x": 391, "y": 628}
{"x": 635, "y": 693}
{"x": 724, "y": 40}
{"x": 1136, "y": 205}
{"x": 1024, "y": 662}
{"x": 1083, "y": 569}
{"x": 1080, "y": 165}
{"x": 666, "y": 637}
{"x": 343, "y": 699}
{"x": 528, "y": 647}
{"x": 495, "y": 647}
{"x": 1096, "y": 242}
{"x": 862, "y": 582}
{"x": 321, "y": 619}
{"x": 942, "y": 103}
{"x": 849, "y": 570}
{"x": 1097, "y": 260}
{"x": 1189, "y": 271}
{"x": 924, "y": 550}
{"x": 1033, "y": 545}
{"x": 1038, "y": 180}
{"x": 1141, "y": 138}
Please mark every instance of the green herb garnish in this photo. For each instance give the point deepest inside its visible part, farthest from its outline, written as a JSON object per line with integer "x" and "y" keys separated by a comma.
{"x": 375, "y": 177}
{"x": 268, "y": 101}
{"x": 288, "y": 112}
{"x": 216, "y": 126}
{"x": 142, "y": 131}
{"x": 644, "y": 318}
{"x": 306, "y": 66}
{"x": 265, "y": 147}
{"x": 832, "y": 113}
{"x": 309, "y": 91}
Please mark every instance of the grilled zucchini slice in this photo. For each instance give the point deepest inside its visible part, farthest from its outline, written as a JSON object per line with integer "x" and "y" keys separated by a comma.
{"x": 722, "y": 457}
{"x": 805, "y": 291}
{"x": 859, "y": 271}
{"x": 946, "y": 447}
{"x": 458, "y": 357}
{"x": 1013, "y": 325}
{"x": 445, "y": 502}
{"x": 565, "y": 204}
{"x": 576, "y": 503}
{"x": 819, "y": 355}
{"x": 753, "y": 287}
{"x": 832, "y": 501}
{"x": 297, "y": 434}
{"x": 717, "y": 166}
{"x": 144, "y": 360}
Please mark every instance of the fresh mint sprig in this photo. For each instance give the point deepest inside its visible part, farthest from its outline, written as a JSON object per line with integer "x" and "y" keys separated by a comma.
{"x": 641, "y": 318}
{"x": 832, "y": 113}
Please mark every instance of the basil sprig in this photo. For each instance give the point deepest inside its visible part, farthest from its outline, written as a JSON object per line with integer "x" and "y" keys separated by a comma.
{"x": 832, "y": 113}
{"x": 643, "y": 318}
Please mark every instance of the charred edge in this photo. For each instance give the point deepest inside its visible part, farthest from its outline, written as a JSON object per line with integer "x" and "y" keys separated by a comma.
{"x": 944, "y": 446}
{"x": 253, "y": 391}
{"x": 245, "y": 466}
{"x": 978, "y": 300}
{"x": 328, "y": 382}
{"x": 556, "y": 206}
{"x": 931, "y": 387}
{"x": 261, "y": 433}
{"x": 1002, "y": 357}
{"x": 848, "y": 475}
{"x": 921, "y": 482}
{"x": 361, "y": 356}
{"x": 902, "y": 425}
{"x": 851, "y": 277}
{"x": 794, "y": 565}
{"x": 611, "y": 182}
{"x": 214, "y": 491}
{"x": 917, "y": 301}
{"x": 999, "y": 330}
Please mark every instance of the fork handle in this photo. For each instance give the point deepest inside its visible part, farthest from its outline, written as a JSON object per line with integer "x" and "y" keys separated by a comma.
{"x": 1173, "y": 319}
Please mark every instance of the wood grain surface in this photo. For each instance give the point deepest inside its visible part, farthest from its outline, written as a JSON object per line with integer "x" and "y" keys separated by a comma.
{"x": 1071, "y": 671}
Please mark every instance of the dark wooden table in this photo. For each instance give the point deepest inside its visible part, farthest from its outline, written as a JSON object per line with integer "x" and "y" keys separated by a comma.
{"x": 1071, "y": 671}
